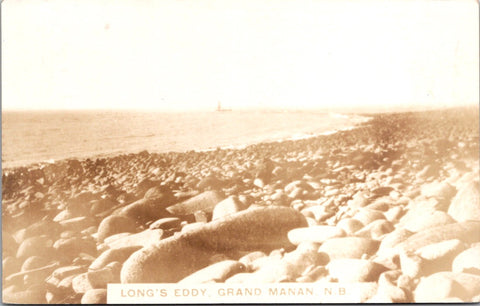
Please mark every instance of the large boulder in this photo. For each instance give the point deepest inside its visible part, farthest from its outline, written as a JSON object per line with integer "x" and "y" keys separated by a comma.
{"x": 174, "y": 258}
{"x": 205, "y": 201}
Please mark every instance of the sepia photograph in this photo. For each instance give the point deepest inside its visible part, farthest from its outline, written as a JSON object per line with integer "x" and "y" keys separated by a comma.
{"x": 240, "y": 151}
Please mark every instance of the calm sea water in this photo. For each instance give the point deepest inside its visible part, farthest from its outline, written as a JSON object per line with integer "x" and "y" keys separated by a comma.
{"x": 29, "y": 137}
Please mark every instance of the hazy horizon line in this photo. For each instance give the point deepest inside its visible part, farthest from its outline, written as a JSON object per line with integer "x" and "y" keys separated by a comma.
{"x": 250, "y": 108}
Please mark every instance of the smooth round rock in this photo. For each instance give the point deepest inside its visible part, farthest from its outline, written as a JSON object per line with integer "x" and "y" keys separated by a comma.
{"x": 349, "y": 247}
{"x": 349, "y": 225}
{"x": 10, "y": 265}
{"x": 318, "y": 233}
{"x": 249, "y": 258}
{"x": 94, "y": 296}
{"x": 440, "y": 286}
{"x": 167, "y": 261}
{"x": 33, "y": 295}
{"x": 38, "y": 245}
{"x": 375, "y": 229}
{"x": 440, "y": 190}
{"x": 111, "y": 255}
{"x": 421, "y": 219}
{"x": 205, "y": 201}
{"x": 114, "y": 225}
{"x": 217, "y": 272}
{"x": 367, "y": 216}
{"x": 466, "y": 204}
{"x": 143, "y": 239}
{"x": 468, "y": 261}
{"x": 166, "y": 223}
{"x": 354, "y": 270}
{"x": 227, "y": 207}
{"x": 174, "y": 258}
{"x": 467, "y": 231}
{"x": 33, "y": 262}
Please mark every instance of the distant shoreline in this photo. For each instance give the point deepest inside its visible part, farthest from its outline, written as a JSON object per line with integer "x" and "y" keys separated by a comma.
{"x": 356, "y": 120}
{"x": 12, "y": 165}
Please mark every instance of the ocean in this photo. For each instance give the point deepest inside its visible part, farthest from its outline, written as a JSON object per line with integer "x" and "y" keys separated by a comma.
{"x": 38, "y": 136}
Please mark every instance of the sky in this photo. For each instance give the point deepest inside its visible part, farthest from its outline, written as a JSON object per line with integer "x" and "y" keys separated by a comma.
{"x": 190, "y": 54}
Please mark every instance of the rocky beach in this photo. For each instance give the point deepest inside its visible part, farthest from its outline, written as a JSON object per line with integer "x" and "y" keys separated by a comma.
{"x": 392, "y": 206}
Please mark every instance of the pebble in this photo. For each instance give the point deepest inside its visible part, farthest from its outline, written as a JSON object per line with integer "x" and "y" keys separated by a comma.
{"x": 376, "y": 229}
{"x": 318, "y": 233}
{"x": 94, "y": 296}
{"x": 349, "y": 247}
{"x": 466, "y": 204}
{"x": 227, "y": 207}
{"x": 33, "y": 262}
{"x": 441, "y": 250}
{"x": 367, "y": 216}
{"x": 418, "y": 220}
{"x": 37, "y": 245}
{"x": 392, "y": 239}
{"x": 248, "y": 259}
{"x": 166, "y": 223}
{"x": 34, "y": 295}
{"x": 114, "y": 225}
{"x": 68, "y": 248}
{"x": 360, "y": 199}
{"x": 354, "y": 270}
{"x": 204, "y": 201}
{"x": 78, "y": 223}
{"x": 144, "y": 238}
{"x": 10, "y": 265}
{"x": 144, "y": 210}
{"x": 319, "y": 213}
{"x": 468, "y": 261}
{"x": 218, "y": 272}
{"x": 439, "y": 287}
{"x": 349, "y": 225}
{"x": 440, "y": 190}
{"x": 394, "y": 213}
{"x": 111, "y": 255}
{"x": 465, "y": 231}
{"x": 166, "y": 261}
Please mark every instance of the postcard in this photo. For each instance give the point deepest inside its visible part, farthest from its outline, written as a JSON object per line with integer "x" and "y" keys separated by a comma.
{"x": 258, "y": 151}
